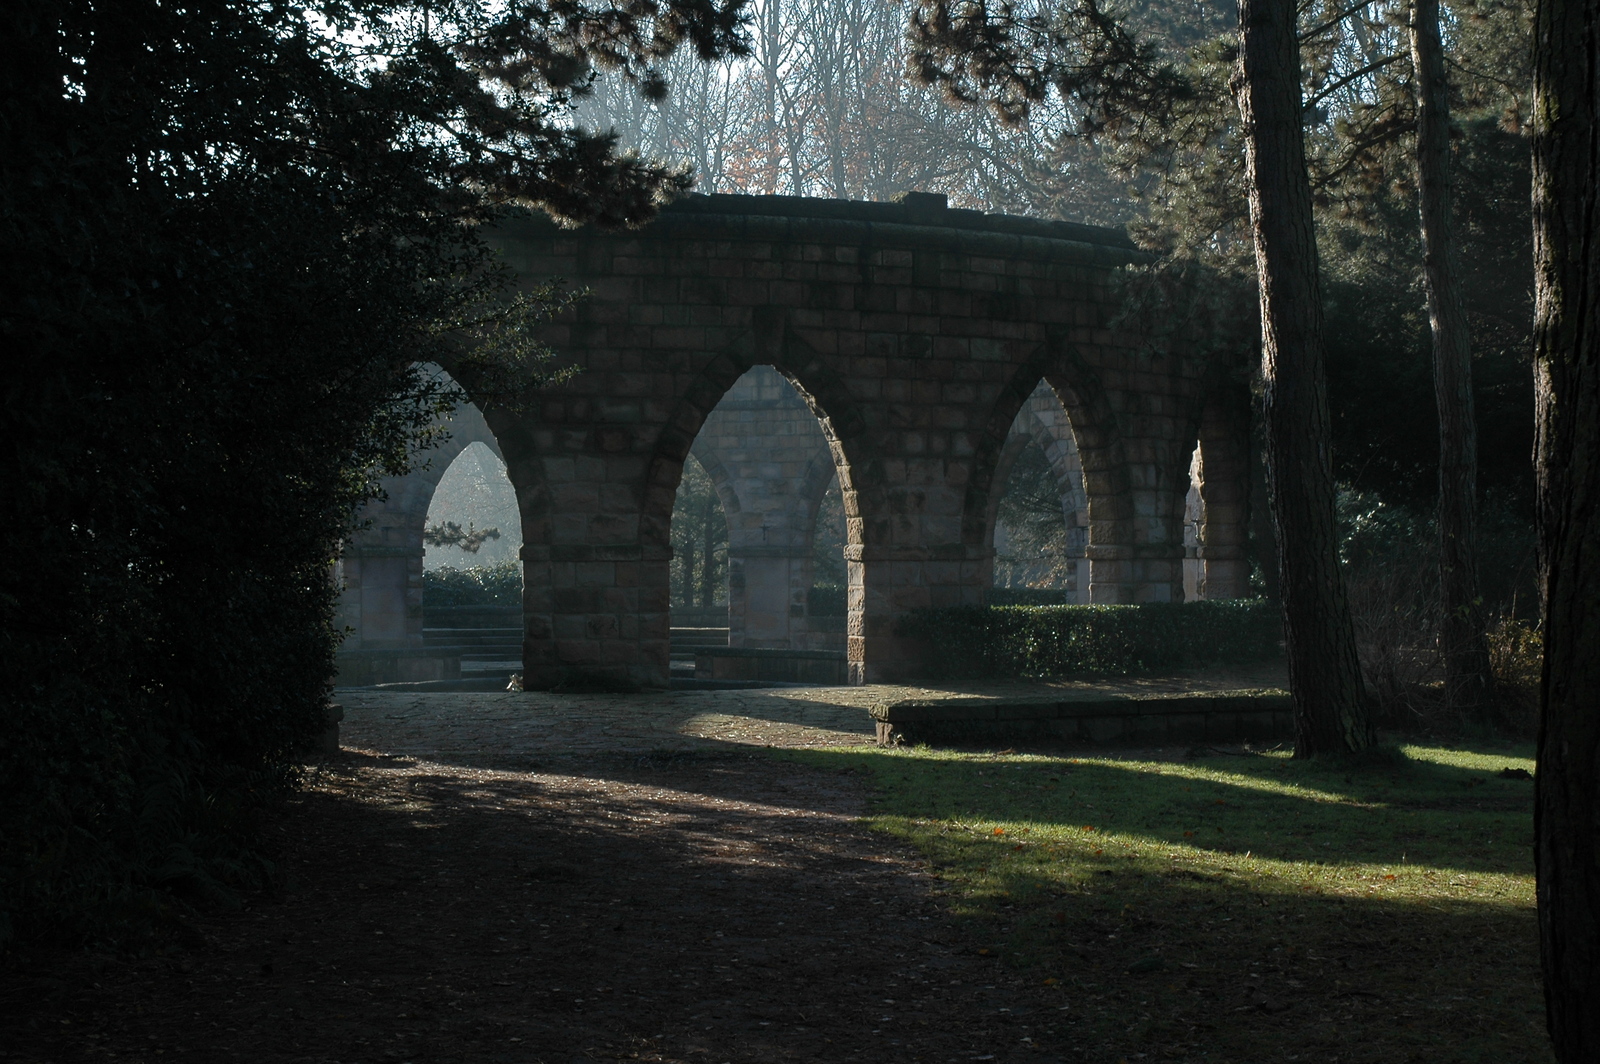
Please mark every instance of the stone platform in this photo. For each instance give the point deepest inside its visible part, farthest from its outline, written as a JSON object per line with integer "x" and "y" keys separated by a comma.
{"x": 1097, "y": 718}
{"x": 539, "y": 725}
{"x": 823, "y": 667}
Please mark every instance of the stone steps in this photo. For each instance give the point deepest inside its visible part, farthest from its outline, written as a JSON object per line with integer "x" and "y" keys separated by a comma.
{"x": 685, "y": 641}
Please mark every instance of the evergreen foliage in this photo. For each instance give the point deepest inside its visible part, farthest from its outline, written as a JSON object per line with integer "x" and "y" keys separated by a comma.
{"x": 451, "y": 534}
{"x": 478, "y": 585}
{"x": 229, "y": 231}
{"x": 1052, "y": 642}
{"x": 699, "y": 541}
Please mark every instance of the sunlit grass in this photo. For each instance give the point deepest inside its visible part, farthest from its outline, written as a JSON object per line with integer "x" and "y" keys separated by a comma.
{"x": 1401, "y": 885}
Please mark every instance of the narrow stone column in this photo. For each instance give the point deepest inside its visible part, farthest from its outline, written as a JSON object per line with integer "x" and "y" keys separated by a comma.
{"x": 886, "y": 583}
{"x": 1223, "y": 475}
{"x": 382, "y": 596}
{"x": 381, "y": 566}
{"x": 1135, "y": 572}
{"x": 595, "y": 612}
{"x": 767, "y": 597}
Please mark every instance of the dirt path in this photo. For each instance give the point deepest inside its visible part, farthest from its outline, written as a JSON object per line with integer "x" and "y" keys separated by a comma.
{"x": 520, "y": 879}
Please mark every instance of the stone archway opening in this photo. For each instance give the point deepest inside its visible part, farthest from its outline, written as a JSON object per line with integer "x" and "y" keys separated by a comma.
{"x": 1032, "y": 552}
{"x": 474, "y": 495}
{"x": 383, "y": 570}
{"x": 698, "y": 574}
{"x": 758, "y": 484}
{"x": 1038, "y": 512}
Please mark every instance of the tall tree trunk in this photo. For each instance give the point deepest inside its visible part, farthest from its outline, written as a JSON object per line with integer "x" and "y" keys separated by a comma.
{"x": 1566, "y": 252}
{"x": 1324, "y": 675}
{"x": 1462, "y": 641}
{"x": 1261, "y": 527}
{"x": 771, "y": 23}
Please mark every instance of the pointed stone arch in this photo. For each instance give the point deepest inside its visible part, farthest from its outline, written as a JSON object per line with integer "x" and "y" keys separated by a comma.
{"x": 1042, "y": 422}
{"x": 381, "y": 567}
{"x": 915, "y": 333}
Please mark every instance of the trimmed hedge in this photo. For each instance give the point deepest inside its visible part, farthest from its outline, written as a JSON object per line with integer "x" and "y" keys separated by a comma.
{"x": 480, "y": 585}
{"x": 1042, "y": 642}
{"x": 1027, "y": 596}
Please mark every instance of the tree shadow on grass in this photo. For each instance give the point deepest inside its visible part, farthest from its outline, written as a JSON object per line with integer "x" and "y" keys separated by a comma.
{"x": 670, "y": 908}
{"x": 451, "y": 915}
{"x": 1242, "y": 908}
{"x": 1406, "y": 812}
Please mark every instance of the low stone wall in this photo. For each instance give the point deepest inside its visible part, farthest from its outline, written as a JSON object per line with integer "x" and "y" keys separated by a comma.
{"x": 827, "y": 633}
{"x": 472, "y": 616}
{"x": 363, "y": 668}
{"x": 822, "y": 667}
{"x": 1229, "y": 717}
{"x": 700, "y": 616}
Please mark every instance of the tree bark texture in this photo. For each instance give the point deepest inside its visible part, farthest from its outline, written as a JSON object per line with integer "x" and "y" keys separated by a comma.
{"x": 1462, "y": 642}
{"x": 1261, "y": 526}
{"x": 1566, "y": 184}
{"x": 1324, "y": 674}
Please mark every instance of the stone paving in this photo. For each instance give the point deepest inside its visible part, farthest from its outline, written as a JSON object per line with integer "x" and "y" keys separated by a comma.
{"x": 516, "y": 728}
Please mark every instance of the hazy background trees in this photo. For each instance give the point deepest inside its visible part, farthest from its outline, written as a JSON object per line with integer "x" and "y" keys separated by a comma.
{"x": 699, "y": 571}
{"x": 823, "y": 106}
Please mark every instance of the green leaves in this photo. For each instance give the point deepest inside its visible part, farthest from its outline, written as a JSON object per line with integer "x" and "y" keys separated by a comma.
{"x": 230, "y": 232}
{"x": 1051, "y": 641}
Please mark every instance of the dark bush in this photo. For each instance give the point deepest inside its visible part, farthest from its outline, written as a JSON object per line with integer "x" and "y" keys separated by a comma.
{"x": 479, "y": 585}
{"x": 227, "y": 238}
{"x": 1027, "y": 596}
{"x": 827, "y": 600}
{"x": 1040, "y": 642}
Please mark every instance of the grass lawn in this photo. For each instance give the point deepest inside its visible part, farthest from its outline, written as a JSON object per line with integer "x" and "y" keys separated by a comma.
{"x": 1242, "y": 907}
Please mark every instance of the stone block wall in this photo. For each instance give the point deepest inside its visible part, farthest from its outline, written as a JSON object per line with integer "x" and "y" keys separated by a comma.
{"x": 913, "y": 333}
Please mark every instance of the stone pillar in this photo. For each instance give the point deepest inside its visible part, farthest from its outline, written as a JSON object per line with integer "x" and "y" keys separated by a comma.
{"x": 595, "y": 613}
{"x": 1222, "y": 473}
{"x": 1193, "y": 516}
{"x": 886, "y": 583}
{"x": 767, "y": 589}
{"x": 1135, "y": 572}
{"x": 765, "y": 451}
{"x": 382, "y": 596}
{"x": 381, "y": 566}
